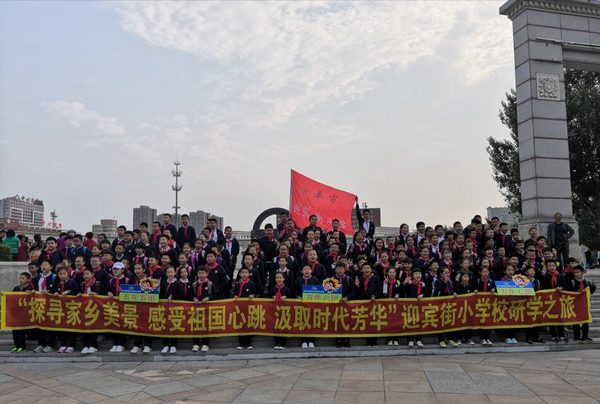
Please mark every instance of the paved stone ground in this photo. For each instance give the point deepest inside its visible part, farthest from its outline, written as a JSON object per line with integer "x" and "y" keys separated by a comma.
{"x": 530, "y": 378}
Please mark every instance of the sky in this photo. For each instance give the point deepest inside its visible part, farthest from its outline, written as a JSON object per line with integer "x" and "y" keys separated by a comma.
{"x": 391, "y": 101}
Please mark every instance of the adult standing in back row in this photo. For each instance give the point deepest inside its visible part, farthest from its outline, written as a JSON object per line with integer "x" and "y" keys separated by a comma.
{"x": 559, "y": 234}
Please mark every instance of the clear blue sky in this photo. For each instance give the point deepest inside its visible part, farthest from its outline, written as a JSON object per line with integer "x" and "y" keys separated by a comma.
{"x": 390, "y": 101}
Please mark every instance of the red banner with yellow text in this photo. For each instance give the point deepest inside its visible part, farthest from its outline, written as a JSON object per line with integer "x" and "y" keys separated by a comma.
{"x": 309, "y": 197}
{"x": 385, "y": 317}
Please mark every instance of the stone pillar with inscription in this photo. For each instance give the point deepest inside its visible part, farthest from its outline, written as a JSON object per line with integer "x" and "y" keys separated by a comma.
{"x": 548, "y": 35}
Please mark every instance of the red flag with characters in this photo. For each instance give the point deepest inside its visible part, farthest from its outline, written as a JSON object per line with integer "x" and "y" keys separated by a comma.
{"x": 309, "y": 197}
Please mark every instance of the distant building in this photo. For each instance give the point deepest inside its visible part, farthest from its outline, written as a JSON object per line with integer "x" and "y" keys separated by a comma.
{"x": 28, "y": 211}
{"x": 503, "y": 214}
{"x": 199, "y": 220}
{"x": 29, "y": 231}
{"x": 143, "y": 214}
{"x": 106, "y": 226}
{"x": 375, "y": 217}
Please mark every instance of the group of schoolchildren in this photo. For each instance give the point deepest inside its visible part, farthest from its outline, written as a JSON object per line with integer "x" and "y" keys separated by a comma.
{"x": 431, "y": 262}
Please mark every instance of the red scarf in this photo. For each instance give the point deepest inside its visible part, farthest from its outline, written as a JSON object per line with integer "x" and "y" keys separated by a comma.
{"x": 391, "y": 283}
{"x": 385, "y": 268}
{"x": 581, "y": 285}
{"x": 89, "y": 285}
{"x": 118, "y": 284}
{"x": 278, "y": 297}
{"x": 485, "y": 283}
{"x": 214, "y": 265}
{"x": 185, "y": 232}
{"x": 168, "y": 287}
{"x": 62, "y": 287}
{"x": 366, "y": 283}
{"x": 241, "y": 286}
{"x": 306, "y": 281}
{"x": 554, "y": 281}
{"x": 185, "y": 287}
{"x": 76, "y": 272}
{"x": 44, "y": 281}
{"x": 200, "y": 286}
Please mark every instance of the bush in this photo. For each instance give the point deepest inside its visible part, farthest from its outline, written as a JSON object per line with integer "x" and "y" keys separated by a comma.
{"x": 5, "y": 253}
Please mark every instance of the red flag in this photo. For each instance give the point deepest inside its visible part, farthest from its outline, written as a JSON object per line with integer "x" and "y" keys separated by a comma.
{"x": 309, "y": 197}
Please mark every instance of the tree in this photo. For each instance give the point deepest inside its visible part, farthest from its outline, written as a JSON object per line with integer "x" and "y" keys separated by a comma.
{"x": 582, "y": 90}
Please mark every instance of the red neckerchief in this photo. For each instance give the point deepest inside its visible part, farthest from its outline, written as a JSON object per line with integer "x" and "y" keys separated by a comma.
{"x": 241, "y": 286}
{"x": 155, "y": 236}
{"x": 151, "y": 270}
{"x": 89, "y": 285}
{"x": 228, "y": 244}
{"x": 62, "y": 287}
{"x": 214, "y": 265}
{"x": 49, "y": 254}
{"x": 448, "y": 288}
{"x": 44, "y": 280}
{"x": 118, "y": 284}
{"x": 168, "y": 287}
{"x": 385, "y": 268}
{"x": 278, "y": 297}
{"x": 200, "y": 286}
{"x": 31, "y": 283}
{"x": 212, "y": 234}
{"x": 185, "y": 232}
{"x": 554, "y": 281}
{"x": 366, "y": 278}
{"x": 312, "y": 266}
{"x": 306, "y": 280}
{"x": 334, "y": 256}
{"x": 485, "y": 283}
{"x": 185, "y": 286}
{"x": 581, "y": 285}
{"x": 414, "y": 251}
{"x": 391, "y": 283}
{"x": 137, "y": 280}
{"x": 418, "y": 286}
{"x": 163, "y": 250}
{"x": 76, "y": 272}
{"x": 360, "y": 247}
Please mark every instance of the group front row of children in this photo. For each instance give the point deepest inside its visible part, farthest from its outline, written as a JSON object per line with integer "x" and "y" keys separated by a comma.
{"x": 368, "y": 285}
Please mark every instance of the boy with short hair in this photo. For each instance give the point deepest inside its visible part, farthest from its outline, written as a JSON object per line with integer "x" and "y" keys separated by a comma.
{"x": 348, "y": 293}
{"x": 369, "y": 288}
{"x": 244, "y": 288}
{"x": 170, "y": 290}
{"x": 19, "y": 336}
{"x": 204, "y": 291}
{"x": 580, "y": 284}
{"x": 415, "y": 288}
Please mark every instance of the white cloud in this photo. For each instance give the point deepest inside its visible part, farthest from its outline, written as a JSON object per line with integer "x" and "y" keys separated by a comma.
{"x": 77, "y": 114}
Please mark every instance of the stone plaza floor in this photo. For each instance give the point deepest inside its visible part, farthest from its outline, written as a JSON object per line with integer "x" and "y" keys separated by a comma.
{"x": 530, "y": 378}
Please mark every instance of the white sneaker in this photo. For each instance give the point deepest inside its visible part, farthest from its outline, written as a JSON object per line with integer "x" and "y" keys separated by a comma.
{"x": 489, "y": 342}
{"x": 304, "y": 345}
{"x": 204, "y": 348}
{"x": 396, "y": 343}
{"x": 135, "y": 350}
{"x": 85, "y": 350}
{"x": 240, "y": 348}
{"x": 311, "y": 345}
{"x": 147, "y": 349}
{"x": 62, "y": 349}
{"x": 113, "y": 349}
{"x": 411, "y": 344}
{"x": 514, "y": 341}
{"x": 48, "y": 349}
{"x": 165, "y": 350}
{"x": 419, "y": 344}
{"x": 508, "y": 341}
{"x": 483, "y": 342}
{"x": 470, "y": 342}
{"x": 249, "y": 347}
{"x": 459, "y": 342}
{"x": 281, "y": 348}
{"x": 70, "y": 350}
{"x": 92, "y": 350}
{"x": 391, "y": 343}
{"x": 38, "y": 349}
{"x": 195, "y": 348}
{"x": 119, "y": 349}
{"x": 172, "y": 350}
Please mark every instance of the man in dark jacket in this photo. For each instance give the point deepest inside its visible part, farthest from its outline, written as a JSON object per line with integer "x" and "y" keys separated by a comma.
{"x": 559, "y": 234}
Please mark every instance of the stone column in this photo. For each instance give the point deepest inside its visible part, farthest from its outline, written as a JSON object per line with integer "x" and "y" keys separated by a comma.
{"x": 542, "y": 119}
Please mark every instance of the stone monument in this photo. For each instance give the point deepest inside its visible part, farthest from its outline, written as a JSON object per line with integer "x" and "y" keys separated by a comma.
{"x": 549, "y": 35}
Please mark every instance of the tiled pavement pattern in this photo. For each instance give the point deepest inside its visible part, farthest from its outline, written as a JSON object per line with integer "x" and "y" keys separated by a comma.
{"x": 530, "y": 378}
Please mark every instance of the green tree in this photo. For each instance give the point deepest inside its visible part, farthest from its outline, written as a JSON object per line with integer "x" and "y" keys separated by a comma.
{"x": 582, "y": 91}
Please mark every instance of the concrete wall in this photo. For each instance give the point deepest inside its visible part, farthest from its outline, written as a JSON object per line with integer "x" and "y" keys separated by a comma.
{"x": 9, "y": 274}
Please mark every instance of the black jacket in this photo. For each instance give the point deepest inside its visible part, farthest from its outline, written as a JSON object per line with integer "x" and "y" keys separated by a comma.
{"x": 174, "y": 290}
{"x": 69, "y": 286}
{"x": 368, "y": 288}
{"x": 186, "y": 236}
{"x": 204, "y": 290}
{"x": 244, "y": 290}
{"x": 348, "y": 287}
{"x": 299, "y": 285}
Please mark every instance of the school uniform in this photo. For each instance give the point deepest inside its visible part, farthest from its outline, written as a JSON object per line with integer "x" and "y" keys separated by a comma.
{"x": 357, "y": 249}
{"x": 173, "y": 256}
{"x": 443, "y": 288}
{"x": 114, "y": 287}
{"x": 381, "y": 270}
{"x": 553, "y": 281}
{"x": 288, "y": 277}
{"x": 139, "y": 259}
{"x": 102, "y": 276}
{"x": 254, "y": 276}
{"x": 140, "y": 341}
{"x": 348, "y": 292}
{"x": 259, "y": 265}
{"x": 67, "y": 339}
{"x": 278, "y": 292}
{"x": 186, "y": 234}
{"x": 20, "y": 336}
{"x": 300, "y": 283}
{"x": 157, "y": 273}
{"x": 173, "y": 290}
{"x": 54, "y": 257}
{"x": 428, "y": 278}
{"x": 533, "y": 334}
{"x": 413, "y": 290}
{"x": 233, "y": 246}
{"x": 244, "y": 289}
{"x": 329, "y": 262}
{"x": 367, "y": 288}
{"x": 90, "y": 340}
{"x": 202, "y": 290}
{"x": 581, "y": 331}
{"x": 463, "y": 289}
{"x": 216, "y": 274}
{"x": 318, "y": 271}
{"x": 187, "y": 293}
{"x": 45, "y": 282}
